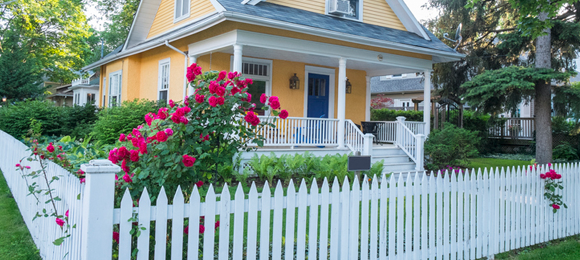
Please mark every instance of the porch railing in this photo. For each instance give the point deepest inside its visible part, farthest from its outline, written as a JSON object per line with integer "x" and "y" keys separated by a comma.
{"x": 410, "y": 143}
{"x": 354, "y": 137}
{"x": 294, "y": 131}
{"x": 387, "y": 130}
{"x": 514, "y": 128}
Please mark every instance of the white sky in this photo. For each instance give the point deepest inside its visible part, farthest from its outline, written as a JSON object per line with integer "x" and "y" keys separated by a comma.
{"x": 414, "y": 5}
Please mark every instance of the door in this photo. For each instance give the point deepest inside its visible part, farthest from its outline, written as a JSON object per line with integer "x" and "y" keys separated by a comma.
{"x": 318, "y": 95}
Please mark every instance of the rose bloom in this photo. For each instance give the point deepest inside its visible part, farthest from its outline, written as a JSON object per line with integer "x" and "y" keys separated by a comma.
{"x": 212, "y": 101}
{"x": 161, "y": 136}
{"x": 59, "y": 222}
{"x": 252, "y": 118}
{"x": 263, "y": 98}
{"x": 169, "y": 132}
{"x": 134, "y": 155}
{"x": 221, "y": 100}
{"x": 199, "y": 98}
{"x": 127, "y": 178}
{"x": 275, "y": 104}
{"x": 188, "y": 161}
{"x": 50, "y": 148}
{"x": 222, "y": 75}
{"x": 199, "y": 184}
{"x": 122, "y": 138}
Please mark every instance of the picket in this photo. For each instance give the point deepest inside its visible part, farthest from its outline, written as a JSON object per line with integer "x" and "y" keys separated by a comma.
{"x": 451, "y": 215}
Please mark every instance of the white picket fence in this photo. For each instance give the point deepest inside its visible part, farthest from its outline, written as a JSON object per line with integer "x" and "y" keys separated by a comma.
{"x": 458, "y": 216}
{"x": 43, "y": 230}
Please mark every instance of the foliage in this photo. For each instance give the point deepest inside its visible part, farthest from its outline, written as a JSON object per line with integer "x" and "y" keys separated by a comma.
{"x": 52, "y": 32}
{"x": 565, "y": 151}
{"x": 450, "y": 146}
{"x": 20, "y": 75}
{"x": 55, "y": 121}
{"x": 561, "y": 126}
{"x": 113, "y": 121}
{"x": 380, "y": 101}
{"x": 567, "y": 101}
{"x": 195, "y": 141}
{"x": 386, "y": 114}
{"x": 496, "y": 91}
{"x": 304, "y": 166}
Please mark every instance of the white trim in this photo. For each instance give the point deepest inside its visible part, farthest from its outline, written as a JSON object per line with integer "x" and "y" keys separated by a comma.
{"x": 163, "y": 62}
{"x": 147, "y": 19}
{"x": 182, "y": 16}
{"x": 104, "y": 103}
{"x": 218, "y": 7}
{"x": 118, "y": 73}
{"x": 267, "y": 79}
{"x": 331, "y": 73}
{"x": 360, "y": 10}
{"x": 368, "y": 99}
{"x": 407, "y": 18}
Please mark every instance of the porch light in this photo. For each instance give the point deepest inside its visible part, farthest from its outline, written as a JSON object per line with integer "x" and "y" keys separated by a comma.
{"x": 294, "y": 82}
{"x": 348, "y": 87}
{"x": 4, "y": 99}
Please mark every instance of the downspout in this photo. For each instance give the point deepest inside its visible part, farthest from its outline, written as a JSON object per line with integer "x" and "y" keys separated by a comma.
{"x": 184, "y": 70}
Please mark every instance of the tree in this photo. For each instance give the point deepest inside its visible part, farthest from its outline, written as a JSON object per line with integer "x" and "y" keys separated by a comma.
{"x": 535, "y": 20}
{"x": 19, "y": 74}
{"x": 380, "y": 101}
{"x": 52, "y": 32}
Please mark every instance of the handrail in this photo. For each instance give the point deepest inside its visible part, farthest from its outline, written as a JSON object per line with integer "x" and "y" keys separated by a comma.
{"x": 410, "y": 143}
{"x": 294, "y": 131}
{"x": 353, "y": 137}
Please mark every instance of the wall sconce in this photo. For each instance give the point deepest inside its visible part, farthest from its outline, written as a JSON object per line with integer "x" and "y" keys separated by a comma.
{"x": 348, "y": 87}
{"x": 4, "y": 99}
{"x": 294, "y": 82}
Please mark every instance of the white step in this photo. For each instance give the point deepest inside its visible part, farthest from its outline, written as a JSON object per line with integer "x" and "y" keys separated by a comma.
{"x": 402, "y": 158}
{"x": 387, "y": 151}
{"x": 398, "y": 167}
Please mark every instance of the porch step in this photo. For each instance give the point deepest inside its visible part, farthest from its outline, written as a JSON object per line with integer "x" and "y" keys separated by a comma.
{"x": 385, "y": 151}
{"x": 387, "y": 159}
{"x": 398, "y": 167}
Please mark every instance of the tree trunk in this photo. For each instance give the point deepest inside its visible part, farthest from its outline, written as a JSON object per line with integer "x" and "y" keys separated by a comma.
{"x": 543, "y": 98}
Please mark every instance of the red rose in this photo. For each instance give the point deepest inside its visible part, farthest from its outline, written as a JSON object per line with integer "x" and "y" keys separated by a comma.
{"x": 199, "y": 184}
{"x": 149, "y": 118}
{"x": 213, "y": 87}
{"x": 124, "y": 166}
{"x": 162, "y": 113}
{"x": 221, "y": 100}
{"x": 273, "y": 98}
{"x": 555, "y": 206}
{"x": 274, "y": 104}
{"x": 143, "y": 148}
{"x": 220, "y": 91}
{"x": 59, "y": 222}
{"x": 252, "y": 118}
{"x": 283, "y": 114}
{"x": 263, "y": 98}
{"x": 122, "y": 153}
{"x": 212, "y": 101}
{"x": 122, "y": 138}
{"x": 134, "y": 155}
{"x": 222, "y": 75}
{"x": 217, "y": 224}
{"x": 161, "y": 136}
{"x": 116, "y": 237}
{"x": 127, "y": 178}
{"x": 50, "y": 148}
{"x": 188, "y": 161}
{"x": 183, "y": 120}
{"x": 175, "y": 118}
{"x": 235, "y": 90}
{"x": 249, "y": 81}
{"x": 171, "y": 103}
{"x": 199, "y": 98}
{"x": 542, "y": 176}
{"x": 201, "y": 229}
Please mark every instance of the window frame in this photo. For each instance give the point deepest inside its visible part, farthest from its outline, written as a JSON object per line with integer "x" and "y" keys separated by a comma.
{"x": 119, "y": 75}
{"x": 164, "y": 62}
{"x": 359, "y": 16}
{"x": 177, "y": 18}
{"x": 267, "y": 79}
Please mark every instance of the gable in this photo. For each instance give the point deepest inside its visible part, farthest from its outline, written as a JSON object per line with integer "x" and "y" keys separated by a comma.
{"x": 164, "y": 18}
{"x": 378, "y": 12}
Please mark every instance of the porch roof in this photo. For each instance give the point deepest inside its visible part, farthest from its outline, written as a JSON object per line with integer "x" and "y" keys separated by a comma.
{"x": 326, "y": 22}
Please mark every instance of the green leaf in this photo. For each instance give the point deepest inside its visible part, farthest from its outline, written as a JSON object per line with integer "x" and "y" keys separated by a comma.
{"x": 58, "y": 241}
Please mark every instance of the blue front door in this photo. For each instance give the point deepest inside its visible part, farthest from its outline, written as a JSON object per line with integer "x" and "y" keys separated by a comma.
{"x": 318, "y": 95}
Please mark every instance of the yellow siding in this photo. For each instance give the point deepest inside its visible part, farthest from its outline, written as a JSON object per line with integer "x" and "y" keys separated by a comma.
{"x": 163, "y": 21}
{"x": 316, "y": 6}
{"x": 378, "y": 12}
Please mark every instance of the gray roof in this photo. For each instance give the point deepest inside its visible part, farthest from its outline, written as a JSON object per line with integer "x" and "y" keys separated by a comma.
{"x": 113, "y": 52}
{"x": 326, "y": 22}
{"x": 396, "y": 85}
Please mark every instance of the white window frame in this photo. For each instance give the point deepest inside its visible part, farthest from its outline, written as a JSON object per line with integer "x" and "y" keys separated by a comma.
{"x": 105, "y": 87}
{"x": 176, "y": 17}
{"x": 267, "y": 79}
{"x": 164, "y": 62}
{"x": 119, "y": 75}
{"x": 360, "y": 11}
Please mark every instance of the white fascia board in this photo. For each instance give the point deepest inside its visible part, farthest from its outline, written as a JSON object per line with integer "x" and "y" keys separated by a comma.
{"x": 215, "y": 43}
{"x": 252, "y": 2}
{"x": 237, "y": 17}
{"x": 329, "y": 50}
{"x": 407, "y": 18}
{"x": 218, "y": 7}
{"x": 144, "y": 12}
{"x": 183, "y": 32}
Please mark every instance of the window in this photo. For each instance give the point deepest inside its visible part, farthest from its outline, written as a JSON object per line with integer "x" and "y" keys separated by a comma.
{"x": 90, "y": 98}
{"x": 181, "y": 10}
{"x": 115, "y": 87}
{"x": 260, "y": 72}
{"x": 163, "y": 80}
{"x": 103, "y": 89}
{"x": 345, "y": 8}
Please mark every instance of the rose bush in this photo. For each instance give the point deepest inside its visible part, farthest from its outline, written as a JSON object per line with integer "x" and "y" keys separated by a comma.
{"x": 552, "y": 183}
{"x": 195, "y": 140}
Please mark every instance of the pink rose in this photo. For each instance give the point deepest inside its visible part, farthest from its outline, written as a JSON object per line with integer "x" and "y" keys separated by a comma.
{"x": 169, "y": 132}
{"x": 143, "y": 148}
{"x": 124, "y": 166}
{"x": 235, "y": 90}
{"x": 161, "y": 136}
{"x": 183, "y": 120}
{"x": 149, "y": 118}
{"x": 274, "y": 104}
{"x": 127, "y": 178}
{"x": 59, "y": 222}
{"x": 222, "y": 75}
{"x": 555, "y": 206}
{"x": 134, "y": 155}
{"x": 249, "y": 98}
{"x": 220, "y": 91}
{"x": 162, "y": 113}
{"x": 171, "y": 103}
{"x": 213, "y": 87}
{"x": 204, "y": 138}
{"x": 188, "y": 161}
{"x": 82, "y": 180}
{"x": 273, "y": 98}
{"x": 175, "y": 118}
{"x": 249, "y": 81}
{"x": 50, "y": 148}
{"x": 283, "y": 114}
{"x": 252, "y": 118}
{"x": 122, "y": 138}
{"x": 122, "y": 153}
{"x": 232, "y": 75}
{"x": 263, "y": 98}
{"x": 116, "y": 236}
{"x": 212, "y": 101}
{"x": 201, "y": 229}
{"x": 199, "y": 98}
{"x": 221, "y": 100}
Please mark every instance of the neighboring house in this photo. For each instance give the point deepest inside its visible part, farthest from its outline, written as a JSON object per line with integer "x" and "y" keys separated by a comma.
{"x": 86, "y": 89}
{"x": 334, "y": 47}
{"x": 59, "y": 93}
{"x": 405, "y": 90}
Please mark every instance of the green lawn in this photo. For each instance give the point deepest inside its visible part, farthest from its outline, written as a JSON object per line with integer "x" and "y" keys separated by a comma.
{"x": 15, "y": 241}
{"x": 567, "y": 249}
{"x": 491, "y": 162}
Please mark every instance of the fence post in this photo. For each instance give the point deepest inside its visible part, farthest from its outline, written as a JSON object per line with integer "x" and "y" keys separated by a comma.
{"x": 420, "y": 153}
{"x": 399, "y": 135}
{"x": 368, "y": 144}
{"x": 98, "y": 204}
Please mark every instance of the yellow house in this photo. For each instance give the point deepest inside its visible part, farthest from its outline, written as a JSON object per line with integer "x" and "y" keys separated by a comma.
{"x": 333, "y": 47}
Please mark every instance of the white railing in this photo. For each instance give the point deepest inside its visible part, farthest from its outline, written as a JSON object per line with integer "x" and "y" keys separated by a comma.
{"x": 514, "y": 128}
{"x": 81, "y": 81}
{"x": 294, "y": 131}
{"x": 43, "y": 230}
{"x": 416, "y": 127}
{"x": 353, "y": 137}
{"x": 410, "y": 143}
{"x": 387, "y": 130}
{"x": 423, "y": 216}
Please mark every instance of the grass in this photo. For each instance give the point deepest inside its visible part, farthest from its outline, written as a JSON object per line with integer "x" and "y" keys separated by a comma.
{"x": 563, "y": 249}
{"x": 15, "y": 240}
{"x": 491, "y": 162}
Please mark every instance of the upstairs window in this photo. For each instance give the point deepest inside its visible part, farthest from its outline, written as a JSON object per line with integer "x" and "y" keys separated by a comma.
{"x": 181, "y": 9}
{"x": 115, "y": 87}
{"x": 163, "y": 80}
{"x": 345, "y": 8}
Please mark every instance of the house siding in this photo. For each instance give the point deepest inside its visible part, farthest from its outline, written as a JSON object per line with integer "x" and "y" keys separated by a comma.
{"x": 316, "y": 6}
{"x": 164, "y": 19}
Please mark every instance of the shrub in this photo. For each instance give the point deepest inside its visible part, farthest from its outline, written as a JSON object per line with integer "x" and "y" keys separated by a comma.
{"x": 565, "y": 151}
{"x": 450, "y": 146}
{"x": 561, "y": 126}
{"x": 386, "y": 114}
{"x": 113, "y": 121}
{"x": 55, "y": 121}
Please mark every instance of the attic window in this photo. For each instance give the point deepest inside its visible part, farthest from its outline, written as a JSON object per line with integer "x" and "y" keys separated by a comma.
{"x": 350, "y": 9}
{"x": 181, "y": 10}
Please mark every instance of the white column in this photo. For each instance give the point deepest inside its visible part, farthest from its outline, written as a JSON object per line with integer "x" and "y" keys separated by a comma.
{"x": 420, "y": 153}
{"x": 368, "y": 100}
{"x": 368, "y": 144}
{"x": 98, "y": 205}
{"x": 427, "y": 102}
{"x": 341, "y": 101}
{"x": 192, "y": 60}
{"x": 238, "y": 57}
